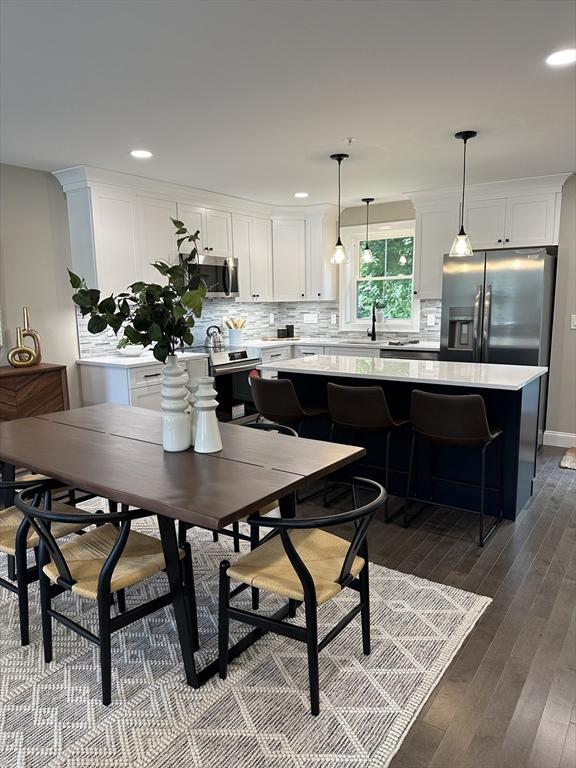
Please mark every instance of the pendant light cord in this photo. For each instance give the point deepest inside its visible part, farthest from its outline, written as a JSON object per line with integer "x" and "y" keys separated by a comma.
{"x": 367, "y": 206}
{"x": 463, "y": 186}
{"x": 339, "y": 226}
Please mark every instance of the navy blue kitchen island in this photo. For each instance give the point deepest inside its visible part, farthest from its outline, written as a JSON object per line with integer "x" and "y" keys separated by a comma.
{"x": 445, "y": 475}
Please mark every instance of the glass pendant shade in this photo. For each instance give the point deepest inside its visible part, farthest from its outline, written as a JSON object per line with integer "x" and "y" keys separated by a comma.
{"x": 461, "y": 245}
{"x": 367, "y": 256}
{"x": 403, "y": 260}
{"x": 339, "y": 256}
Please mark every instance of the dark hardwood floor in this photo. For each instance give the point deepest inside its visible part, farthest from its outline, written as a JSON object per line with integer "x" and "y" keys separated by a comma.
{"x": 508, "y": 700}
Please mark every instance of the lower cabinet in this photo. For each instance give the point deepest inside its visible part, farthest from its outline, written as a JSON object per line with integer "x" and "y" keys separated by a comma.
{"x": 130, "y": 385}
{"x": 353, "y": 351}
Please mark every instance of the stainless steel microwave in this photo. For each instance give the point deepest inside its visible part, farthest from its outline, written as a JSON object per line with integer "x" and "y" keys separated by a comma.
{"x": 220, "y": 275}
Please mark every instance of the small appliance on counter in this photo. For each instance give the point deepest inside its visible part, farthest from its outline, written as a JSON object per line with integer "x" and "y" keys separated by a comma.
{"x": 214, "y": 338}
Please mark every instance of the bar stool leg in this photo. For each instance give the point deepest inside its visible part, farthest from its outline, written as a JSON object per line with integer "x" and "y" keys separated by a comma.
{"x": 409, "y": 480}
{"x": 387, "y": 475}
{"x": 254, "y": 540}
{"x": 482, "y": 485}
{"x": 236, "y": 536}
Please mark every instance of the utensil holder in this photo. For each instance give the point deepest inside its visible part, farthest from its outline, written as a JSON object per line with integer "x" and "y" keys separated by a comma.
{"x": 235, "y": 337}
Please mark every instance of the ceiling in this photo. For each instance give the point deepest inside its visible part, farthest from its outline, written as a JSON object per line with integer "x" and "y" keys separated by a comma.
{"x": 250, "y": 97}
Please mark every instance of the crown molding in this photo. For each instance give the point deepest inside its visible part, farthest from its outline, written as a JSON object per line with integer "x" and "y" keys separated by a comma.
{"x": 493, "y": 189}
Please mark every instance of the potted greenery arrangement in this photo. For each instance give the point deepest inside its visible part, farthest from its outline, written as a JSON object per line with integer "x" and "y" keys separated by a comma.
{"x": 160, "y": 316}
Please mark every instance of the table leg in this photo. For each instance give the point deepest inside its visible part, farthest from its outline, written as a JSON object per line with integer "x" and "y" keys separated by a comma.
{"x": 287, "y": 505}
{"x": 170, "y": 546}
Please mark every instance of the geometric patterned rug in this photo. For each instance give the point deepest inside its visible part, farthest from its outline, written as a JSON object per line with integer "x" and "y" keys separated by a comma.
{"x": 51, "y": 715}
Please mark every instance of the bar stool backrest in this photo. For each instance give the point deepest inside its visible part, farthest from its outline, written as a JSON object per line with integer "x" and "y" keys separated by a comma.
{"x": 276, "y": 399}
{"x": 450, "y": 419}
{"x": 358, "y": 407}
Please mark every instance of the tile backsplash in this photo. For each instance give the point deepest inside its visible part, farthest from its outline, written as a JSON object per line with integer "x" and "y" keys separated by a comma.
{"x": 258, "y": 323}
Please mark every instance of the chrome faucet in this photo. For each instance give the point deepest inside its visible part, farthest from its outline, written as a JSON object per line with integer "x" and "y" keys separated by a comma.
{"x": 372, "y": 331}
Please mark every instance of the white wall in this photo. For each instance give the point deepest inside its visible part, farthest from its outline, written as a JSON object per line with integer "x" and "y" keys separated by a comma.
{"x": 400, "y": 210}
{"x": 34, "y": 255}
{"x": 561, "y": 416}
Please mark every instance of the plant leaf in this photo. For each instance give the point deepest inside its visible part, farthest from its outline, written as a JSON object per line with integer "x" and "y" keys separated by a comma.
{"x": 177, "y": 222}
{"x": 161, "y": 352}
{"x": 97, "y": 324}
{"x": 107, "y": 306}
{"x": 75, "y": 281}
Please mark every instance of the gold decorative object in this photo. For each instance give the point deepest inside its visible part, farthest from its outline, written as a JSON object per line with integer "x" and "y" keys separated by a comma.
{"x": 21, "y": 355}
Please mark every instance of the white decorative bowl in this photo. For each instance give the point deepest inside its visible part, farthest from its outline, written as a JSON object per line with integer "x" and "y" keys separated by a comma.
{"x": 131, "y": 351}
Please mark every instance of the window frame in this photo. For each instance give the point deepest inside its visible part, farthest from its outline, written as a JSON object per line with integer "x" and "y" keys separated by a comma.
{"x": 349, "y": 274}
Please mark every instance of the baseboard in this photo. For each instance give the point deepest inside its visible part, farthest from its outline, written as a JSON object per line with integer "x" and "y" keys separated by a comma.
{"x": 559, "y": 439}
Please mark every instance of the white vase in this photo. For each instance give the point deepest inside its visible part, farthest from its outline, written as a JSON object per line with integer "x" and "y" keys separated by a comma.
{"x": 207, "y": 437}
{"x": 192, "y": 388}
{"x": 175, "y": 417}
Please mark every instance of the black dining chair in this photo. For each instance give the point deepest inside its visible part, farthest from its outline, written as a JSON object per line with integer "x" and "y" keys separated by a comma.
{"x": 17, "y": 539}
{"x": 305, "y": 563}
{"x": 458, "y": 421}
{"x": 105, "y": 560}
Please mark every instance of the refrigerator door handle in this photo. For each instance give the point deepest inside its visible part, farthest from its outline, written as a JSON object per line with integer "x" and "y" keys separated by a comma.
{"x": 486, "y": 324}
{"x": 476, "y": 325}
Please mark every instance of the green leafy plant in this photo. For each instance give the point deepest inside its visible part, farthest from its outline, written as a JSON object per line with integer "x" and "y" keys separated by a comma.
{"x": 150, "y": 314}
{"x": 187, "y": 260}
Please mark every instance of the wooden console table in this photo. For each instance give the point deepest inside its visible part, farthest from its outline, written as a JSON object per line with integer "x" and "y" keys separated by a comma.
{"x": 32, "y": 391}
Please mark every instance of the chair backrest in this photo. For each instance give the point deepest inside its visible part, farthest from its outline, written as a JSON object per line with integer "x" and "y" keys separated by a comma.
{"x": 276, "y": 399}
{"x": 450, "y": 419}
{"x": 360, "y": 516}
{"x": 36, "y": 505}
{"x": 358, "y": 407}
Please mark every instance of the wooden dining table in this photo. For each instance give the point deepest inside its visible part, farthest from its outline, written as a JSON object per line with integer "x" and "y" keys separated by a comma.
{"x": 116, "y": 452}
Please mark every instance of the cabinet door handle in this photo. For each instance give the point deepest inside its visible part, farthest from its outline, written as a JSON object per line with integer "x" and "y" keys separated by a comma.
{"x": 507, "y": 240}
{"x": 308, "y": 353}
{"x": 303, "y": 295}
{"x": 499, "y": 239}
{"x": 319, "y": 294}
{"x": 152, "y": 375}
{"x": 278, "y": 354}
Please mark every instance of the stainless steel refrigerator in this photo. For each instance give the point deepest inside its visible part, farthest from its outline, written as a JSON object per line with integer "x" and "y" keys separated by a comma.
{"x": 497, "y": 308}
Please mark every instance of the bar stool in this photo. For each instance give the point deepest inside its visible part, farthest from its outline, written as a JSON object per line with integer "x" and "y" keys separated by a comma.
{"x": 276, "y": 400}
{"x": 363, "y": 410}
{"x": 457, "y": 421}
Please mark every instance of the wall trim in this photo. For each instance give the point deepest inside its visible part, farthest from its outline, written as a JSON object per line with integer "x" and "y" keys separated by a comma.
{"x": 559, "y": 439}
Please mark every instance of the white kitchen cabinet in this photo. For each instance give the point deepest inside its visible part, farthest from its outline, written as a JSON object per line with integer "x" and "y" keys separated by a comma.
{"x": 155, "y": 239}
{"x": 215, "y": 229}
{"x": 484, "y": 222}
{"x": 252, "y": 246}
{"x": 193, "y": 218}
{"x": 289, "y": 259}
{"x": 436, "y": 227}
{"x": 306, "y": 350}
{"x": 114, "y": 245}
{"x": 353, "y": 351}
{"x": 276, "y": 353}
{"x": 504, "y": 214}
{"x": 530, "y": 220}
{"x": 112, "y": 379}
{"x": 321, "y": 275}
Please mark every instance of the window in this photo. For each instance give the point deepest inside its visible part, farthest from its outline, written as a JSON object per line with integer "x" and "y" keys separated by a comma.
{"x": 387, "y": 281}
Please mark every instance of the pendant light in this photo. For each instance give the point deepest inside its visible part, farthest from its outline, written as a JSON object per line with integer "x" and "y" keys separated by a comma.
{"x": 367, "y": 256}
{"x": 462, "y": 245}
{"x": 340, "y": 256}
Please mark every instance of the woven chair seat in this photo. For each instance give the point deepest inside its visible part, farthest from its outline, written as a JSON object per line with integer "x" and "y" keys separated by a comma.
{"x": 85, "y": 556}
{"x": 268, "y": 567}
{"x": 11, "y": 518}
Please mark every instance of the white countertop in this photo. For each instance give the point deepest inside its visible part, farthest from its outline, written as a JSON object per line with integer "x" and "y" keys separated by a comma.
{"x": 481, "y": 375}
{"x": 327, "y": 341}
{"x": 122, "y": 361}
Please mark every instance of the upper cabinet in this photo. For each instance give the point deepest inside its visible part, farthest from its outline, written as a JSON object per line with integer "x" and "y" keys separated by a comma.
{"x": 507, "y": 214}
{"x": 289, "y": 259}
{"x": 321, "y": 275}
{"x": 155, "y": 240}
{"x": 215, "y": 229}
{"x": 252, "y": 241}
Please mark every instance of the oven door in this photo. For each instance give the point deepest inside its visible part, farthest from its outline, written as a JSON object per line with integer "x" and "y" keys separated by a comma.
{"x": 234, "y": 394}
{"x": 220, "y": 275}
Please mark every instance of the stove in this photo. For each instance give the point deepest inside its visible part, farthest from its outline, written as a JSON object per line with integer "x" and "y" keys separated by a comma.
{"x": 231, "y": 368}
{"x": 230, "y": 359}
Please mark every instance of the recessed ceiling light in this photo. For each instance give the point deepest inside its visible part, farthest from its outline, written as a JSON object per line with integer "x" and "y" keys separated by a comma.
{"x": 141, "y": 154}
{"x": 301, "y": 194}
{"x": 562, "y": 58}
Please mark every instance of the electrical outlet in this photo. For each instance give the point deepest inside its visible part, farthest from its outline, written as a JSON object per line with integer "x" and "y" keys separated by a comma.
{"x": 310, "y": 318}
{"x": 573, "y": 323}
{"x": 333, "y": 319}
{"x": 431, "y": 319}
{"x": 271, "y": 318}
